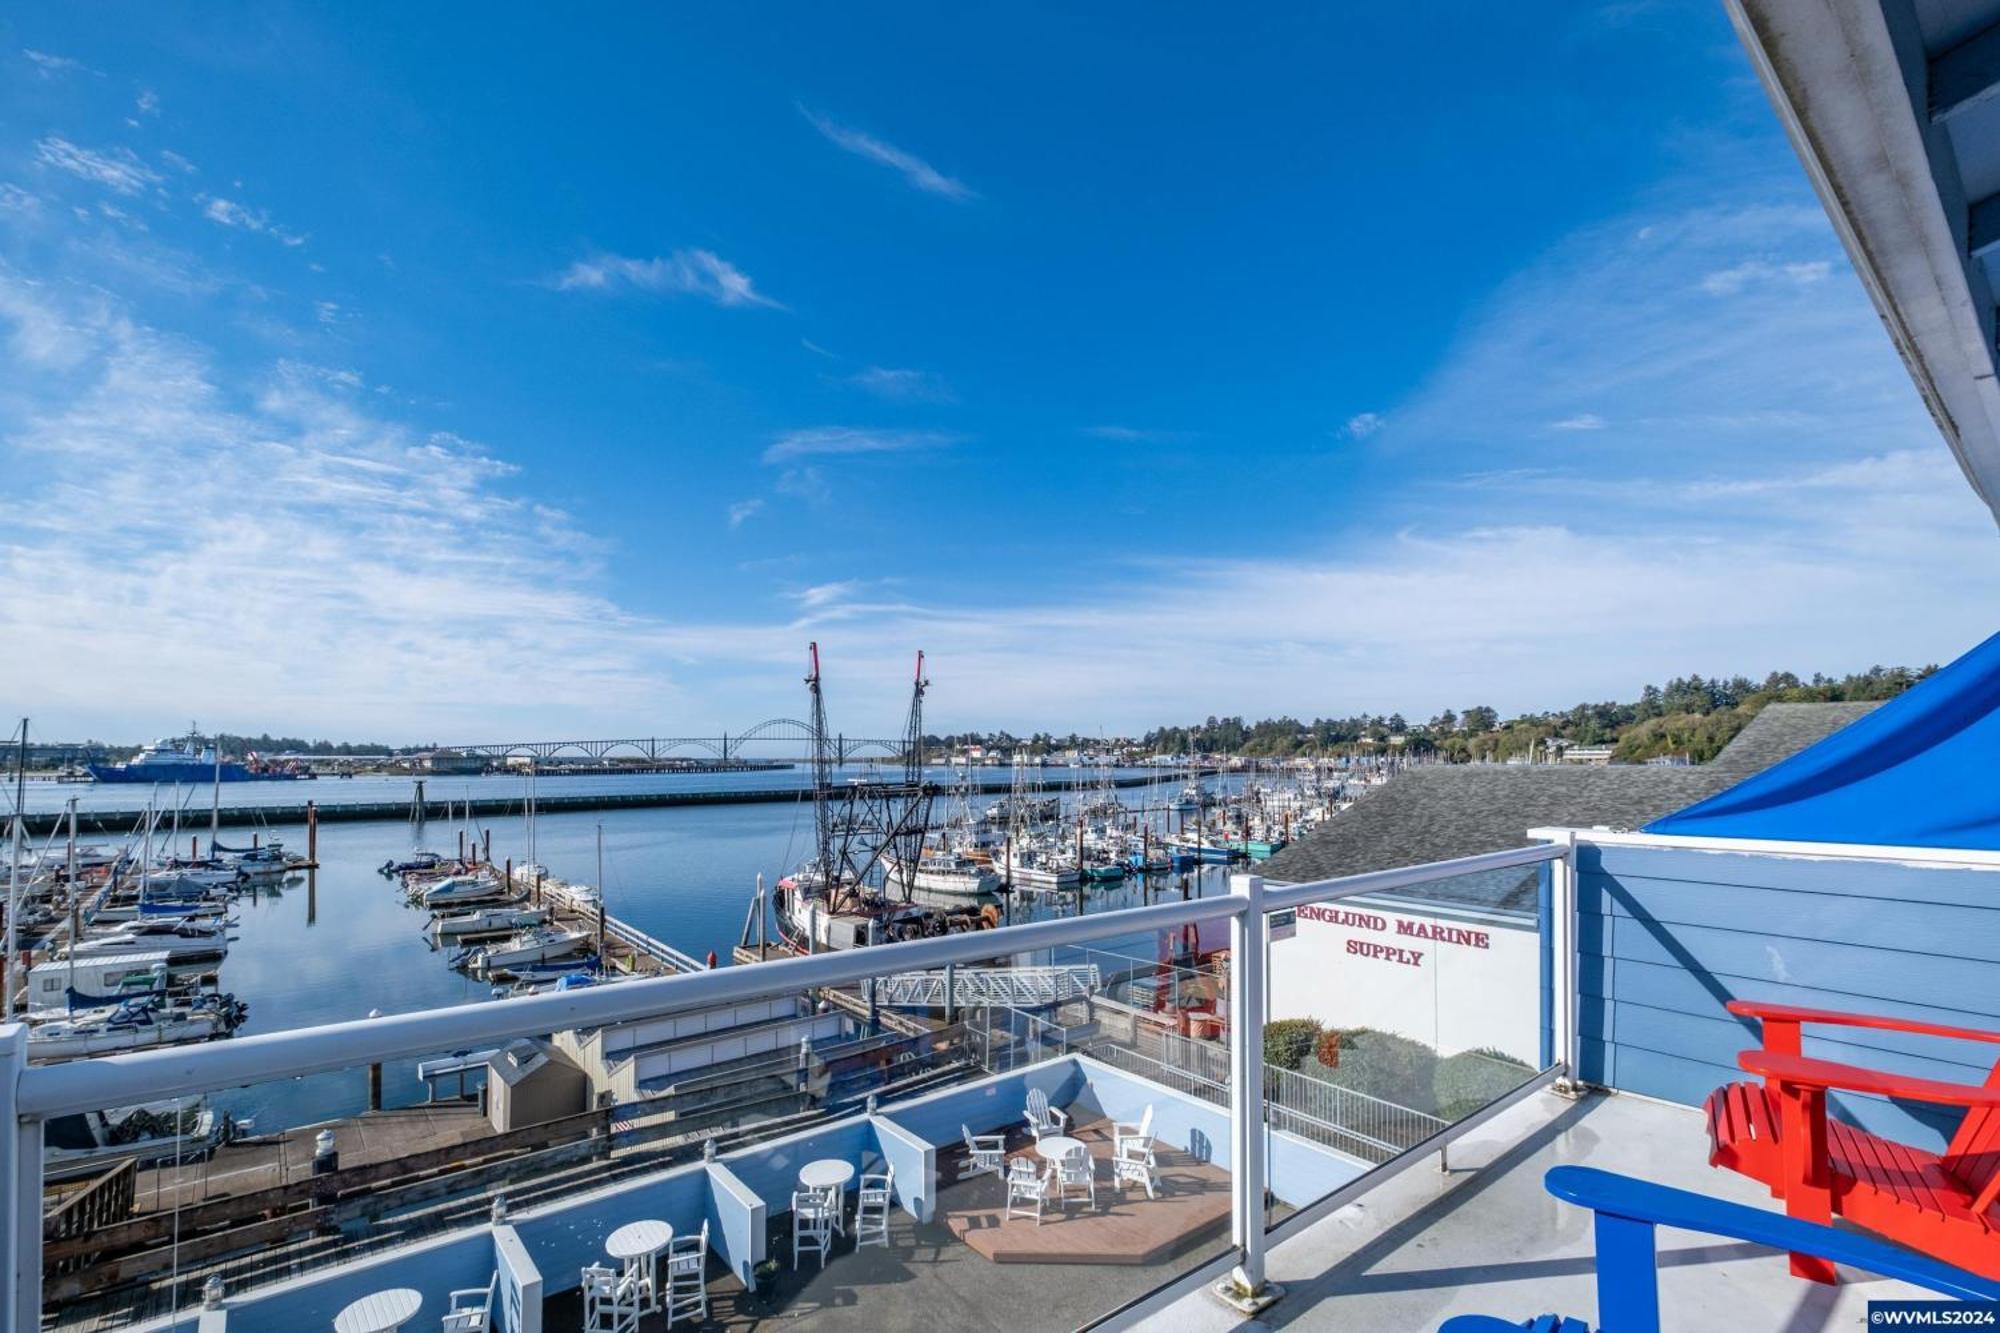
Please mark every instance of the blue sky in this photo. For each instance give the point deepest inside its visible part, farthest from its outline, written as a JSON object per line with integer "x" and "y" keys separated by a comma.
{"x": 464, "y": 373}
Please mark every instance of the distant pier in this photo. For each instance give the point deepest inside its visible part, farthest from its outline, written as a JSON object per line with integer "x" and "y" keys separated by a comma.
{"x": 124, "y": 821}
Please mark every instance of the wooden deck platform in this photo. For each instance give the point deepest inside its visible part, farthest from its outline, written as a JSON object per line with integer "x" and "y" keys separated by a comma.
{"x": 1126, "y": 1227}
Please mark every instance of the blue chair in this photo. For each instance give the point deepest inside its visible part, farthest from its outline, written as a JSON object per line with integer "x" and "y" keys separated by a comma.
{"x": 1628, "y": 1289}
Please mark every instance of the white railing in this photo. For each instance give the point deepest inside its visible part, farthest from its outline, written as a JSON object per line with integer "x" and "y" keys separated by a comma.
{"x": 31, "y": 1094}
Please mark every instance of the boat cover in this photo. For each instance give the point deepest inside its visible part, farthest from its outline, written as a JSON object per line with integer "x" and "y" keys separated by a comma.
{"x": 1915, "y": 772}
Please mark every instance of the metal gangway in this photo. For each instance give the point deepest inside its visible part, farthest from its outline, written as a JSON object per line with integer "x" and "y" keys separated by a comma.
{"x": 970, "y": 987}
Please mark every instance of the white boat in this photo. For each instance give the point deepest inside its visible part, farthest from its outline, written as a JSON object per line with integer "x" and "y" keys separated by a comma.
{"x": 460, "y": 889}
{"x": 79, "y": 1145}
{"x": 135, "y": 1025}
{"x": 183, "y": 942}
{"x": 1037, "y": 867}
{"x": 944, "y": 872}
{"x": 487, "y": 921}
{"x": 537, "y": 944}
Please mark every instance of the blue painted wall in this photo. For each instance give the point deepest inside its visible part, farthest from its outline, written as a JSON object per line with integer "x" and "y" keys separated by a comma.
{"x": 434, "y": 1268}
{"x": 564, "y": 1237}
{"x": 1668, "y": 936}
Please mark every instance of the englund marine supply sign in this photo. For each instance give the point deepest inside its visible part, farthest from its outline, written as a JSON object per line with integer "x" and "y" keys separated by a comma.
{"x": 1454, "y": 979}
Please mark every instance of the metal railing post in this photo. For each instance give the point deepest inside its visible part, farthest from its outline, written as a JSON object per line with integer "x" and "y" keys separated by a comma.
{"x": 1563, "y": 959}
{"x": 21, "y": 1181}
{"x": 1246, "y": 1088}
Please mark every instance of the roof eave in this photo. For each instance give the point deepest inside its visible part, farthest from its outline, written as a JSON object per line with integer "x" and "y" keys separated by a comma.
{"x": 1889, "y": 183}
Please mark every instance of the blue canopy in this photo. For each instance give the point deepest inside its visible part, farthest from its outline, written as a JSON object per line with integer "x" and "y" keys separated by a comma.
{"x": 1922, "y": 770}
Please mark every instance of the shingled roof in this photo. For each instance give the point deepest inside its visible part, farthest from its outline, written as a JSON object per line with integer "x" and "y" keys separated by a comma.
{"x": 1443, "y": 811}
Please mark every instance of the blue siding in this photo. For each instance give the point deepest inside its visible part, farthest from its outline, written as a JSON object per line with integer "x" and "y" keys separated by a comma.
{"x": 1668, "y": 936}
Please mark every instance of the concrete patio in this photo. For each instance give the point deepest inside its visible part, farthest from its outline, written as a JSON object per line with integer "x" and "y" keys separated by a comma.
{"x": 1485, "y": 1237}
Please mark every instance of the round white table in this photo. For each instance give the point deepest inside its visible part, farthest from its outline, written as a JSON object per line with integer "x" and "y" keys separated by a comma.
{"x": 382, "y": 1312}
{"x": 637, "y": 1246}
{"x": 1055, "y": 1147}
{"x": 830, "y": 1173}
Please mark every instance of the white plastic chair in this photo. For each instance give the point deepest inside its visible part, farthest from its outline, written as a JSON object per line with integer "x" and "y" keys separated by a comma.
{"x": 1143, "y": 1130}
{"x": 871, "y": 1209}
{"x": 611, "y": 1301}
{"x": 1133, "y": 1162}
{"x": 987, "y": 1151}
{"x": 1025, "y": 1186}
{"x": 471, "y": 1309}
{"x": 812, "y": 1226}
{"x": 687, "y": 1276}
{"x": 1076, "y": 1170}
{"x": 1043, "y": 1118}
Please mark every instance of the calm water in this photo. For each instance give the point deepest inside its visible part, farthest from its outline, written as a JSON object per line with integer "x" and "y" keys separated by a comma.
{"x": 44, "y": 795}
{"x": 348, "y": 944}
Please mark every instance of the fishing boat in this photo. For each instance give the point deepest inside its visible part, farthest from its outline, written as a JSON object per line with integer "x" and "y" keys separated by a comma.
{"x": 1041, "y": 866}
{"x": 83, "y": 1144}
{"x": 134, "y": 1025}
{"x": 486, "y": 922}
{"x": 536, "y": 944}
{"x": 952, "y": 873}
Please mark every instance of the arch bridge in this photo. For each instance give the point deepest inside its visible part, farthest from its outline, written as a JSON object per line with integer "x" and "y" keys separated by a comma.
{"x": 772, "y": 732}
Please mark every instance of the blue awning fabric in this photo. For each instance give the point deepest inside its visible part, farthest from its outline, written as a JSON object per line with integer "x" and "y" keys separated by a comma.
{"x": 1922, "y": 770}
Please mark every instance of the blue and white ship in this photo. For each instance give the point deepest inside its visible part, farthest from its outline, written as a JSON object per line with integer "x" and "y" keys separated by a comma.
{"x": 188, "y": 759}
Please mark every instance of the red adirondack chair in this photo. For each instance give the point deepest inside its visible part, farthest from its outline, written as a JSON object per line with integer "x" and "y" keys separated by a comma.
{"x": 1778, "y": 1132}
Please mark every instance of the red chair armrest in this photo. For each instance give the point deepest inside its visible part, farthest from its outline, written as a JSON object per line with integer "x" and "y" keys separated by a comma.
{"x": 1802, "y": 1072}
{"x": 1785, "y": 1013}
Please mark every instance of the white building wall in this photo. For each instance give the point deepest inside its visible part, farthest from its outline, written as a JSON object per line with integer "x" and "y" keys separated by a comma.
{"x": 1453, "y": 979}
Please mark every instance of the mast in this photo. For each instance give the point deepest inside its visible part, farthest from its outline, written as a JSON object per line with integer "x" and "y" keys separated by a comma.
{"x": 913, "y": 738}
{"x": 215, "y": 800}
{"x": 822, "y": 771}
{"x": 602, "y": 907}
{"x": 75, "y": 900}
{"x": 14, "y": 868}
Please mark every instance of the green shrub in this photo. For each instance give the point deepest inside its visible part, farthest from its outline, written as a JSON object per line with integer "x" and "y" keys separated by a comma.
{"x": 1288, "y": 1041}
{"x": 1384, "y": 1065}
{"x": 1467, "y": 1081}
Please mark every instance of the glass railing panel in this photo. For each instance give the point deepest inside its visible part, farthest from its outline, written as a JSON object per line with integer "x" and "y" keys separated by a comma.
{"x": 1393, "y": 1016}
{"x": 1122, "y": 1187}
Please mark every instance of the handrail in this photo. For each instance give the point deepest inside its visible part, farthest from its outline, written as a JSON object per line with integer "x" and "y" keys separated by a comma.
{"x": 118, "y": 1080}
{"x": 1277, "y": 897}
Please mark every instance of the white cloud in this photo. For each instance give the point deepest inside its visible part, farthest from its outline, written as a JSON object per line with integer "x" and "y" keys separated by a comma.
{"x": 149, "y": 102}
{"x": 1363, "y": 424}
{"x": 1732, "y": 280}
{"x": 1133, "y": 434}
{"x": 296, "y": 574}
{"x": 684, "y": 272}
{"x": 229, "y": 213}
{"x": 1581, "y": 421}
{"x": 116, "y": 168}
{"x": 177, "y": 162}
{"x": 904, "y": 386}
{"x": 53, "y": 66}
{"x": 14, "y": 199}
{"x": 326, "y": 312}
{"x": 919, "y": 173}
{"x": 744, "y": 510}
{"x": 833, "y": 440}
